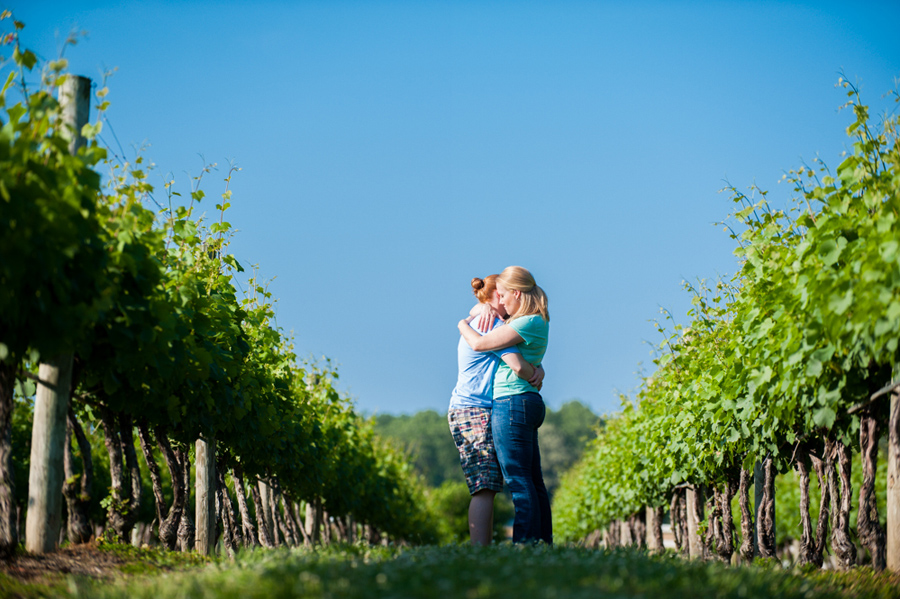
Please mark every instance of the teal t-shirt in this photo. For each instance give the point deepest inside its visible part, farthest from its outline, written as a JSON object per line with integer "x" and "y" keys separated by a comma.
{"x": 534, "y": 331}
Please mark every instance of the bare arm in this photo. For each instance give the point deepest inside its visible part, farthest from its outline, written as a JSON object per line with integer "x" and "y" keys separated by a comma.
{"x": 518, "y": 364}
{"x": 499, "y": 338}
{"x": 525, "y": 370}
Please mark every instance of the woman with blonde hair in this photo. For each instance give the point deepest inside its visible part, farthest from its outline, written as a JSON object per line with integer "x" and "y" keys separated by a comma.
{"x": 518, "y": 409}
{"x": 469, "y": 415}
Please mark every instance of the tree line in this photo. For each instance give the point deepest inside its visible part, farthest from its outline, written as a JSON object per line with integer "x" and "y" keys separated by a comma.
{"x": 425, "y": 437}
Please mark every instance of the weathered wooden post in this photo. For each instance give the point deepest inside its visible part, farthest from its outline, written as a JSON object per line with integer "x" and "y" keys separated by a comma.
{"x": 313, "y": 520}
{"x": 205, "y": 495}
{"x": 48, "y": 434}
{"x": 694, "y": 501}
{"x": 265, "y": 494}
{"x": 625, "y": 533}
{"x": 75, "y": 100}
{"x": 654, "y": 529}
{"x": 893, "y": 481}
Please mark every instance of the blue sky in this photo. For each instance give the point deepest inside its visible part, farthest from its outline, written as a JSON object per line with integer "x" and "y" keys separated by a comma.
{"x": 391, "y": 151}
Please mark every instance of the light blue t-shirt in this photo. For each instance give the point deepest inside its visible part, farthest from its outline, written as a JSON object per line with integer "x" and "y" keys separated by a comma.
{"x": 475, "y": 381}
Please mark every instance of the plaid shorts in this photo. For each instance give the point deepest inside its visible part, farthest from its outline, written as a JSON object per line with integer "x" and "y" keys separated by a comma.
{"x": 471, "y": 429}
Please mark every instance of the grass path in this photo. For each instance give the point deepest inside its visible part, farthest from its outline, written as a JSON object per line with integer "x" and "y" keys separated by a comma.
{"x": 472, "y": 573}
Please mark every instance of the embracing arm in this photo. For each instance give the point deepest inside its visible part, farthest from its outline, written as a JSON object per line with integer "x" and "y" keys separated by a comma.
{"x": 486, "y": 317}
{"x": 499, "y": 338}
{"x": 523, "y": 369}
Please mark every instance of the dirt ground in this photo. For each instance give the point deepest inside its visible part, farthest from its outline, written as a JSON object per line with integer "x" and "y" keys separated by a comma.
{"x": 80, "y": 560}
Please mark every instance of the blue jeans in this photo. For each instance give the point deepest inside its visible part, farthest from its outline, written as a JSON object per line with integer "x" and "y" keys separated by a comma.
{"x": 515, "y": 420}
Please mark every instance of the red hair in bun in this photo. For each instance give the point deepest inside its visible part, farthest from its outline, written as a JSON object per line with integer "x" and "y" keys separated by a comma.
{"x": 484, "y": 288}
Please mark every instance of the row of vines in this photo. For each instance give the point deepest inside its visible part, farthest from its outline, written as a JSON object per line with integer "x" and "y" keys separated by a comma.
{"x": 787, "y": 365}
{"x": 132, "y": 290}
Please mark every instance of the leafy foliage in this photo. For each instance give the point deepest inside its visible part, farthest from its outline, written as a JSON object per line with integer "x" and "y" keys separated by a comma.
{"x": 426, "y": 437}
{"x": 146, "y": 296}
{"x": 778, "y": 355}
{"x": 50, "y": 234}
{"x": 449, "y": 504}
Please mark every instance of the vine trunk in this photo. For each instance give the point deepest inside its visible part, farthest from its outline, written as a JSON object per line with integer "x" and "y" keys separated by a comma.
{"x": 186, "y": 529}
{"x": 747, "y": 549}
{"x": 9, "y": 537}
{"x": 125, "y": 489}
{"x": 824, "y": 507}
{"x": 677, "y": 518}
{"x": 168, "y": 526}
{"x": 871, "y": 533}
{"x": 807, "y": 536}
{"x": 77, "y": 489}
{"x": 841, "y": 544}
{"x": 765, "y": 517}
{"x": 725, "y": 529}
{"x": 247, "y": 525}
{"x": 265, "y": 537}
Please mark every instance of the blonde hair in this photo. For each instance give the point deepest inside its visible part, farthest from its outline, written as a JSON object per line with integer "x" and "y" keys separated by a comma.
{"x": 483, "y": 288}
{"x": 533, "y": 299}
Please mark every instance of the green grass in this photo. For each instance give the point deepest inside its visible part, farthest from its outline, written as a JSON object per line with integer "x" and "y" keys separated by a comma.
{"x": 151, "y": 560}
{"x": 472, "y": 573}
{"x": 14, "y": 588}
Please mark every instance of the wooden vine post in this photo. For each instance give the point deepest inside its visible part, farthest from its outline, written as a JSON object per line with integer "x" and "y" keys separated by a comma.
{"x": 48, "y": 434}
{"x": 205, "y": 494}
{"x": 893, "y": 481}
{"x": 313, "y": 520}
{"x": 694, "y": 501}
{"x": 265, "y": 495}
{"x": 654, "y": 529}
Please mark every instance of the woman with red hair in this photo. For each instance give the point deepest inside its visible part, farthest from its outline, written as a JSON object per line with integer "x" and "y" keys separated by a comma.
{"x": 518, "y": 409}
{"x": 469, "y": 415}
